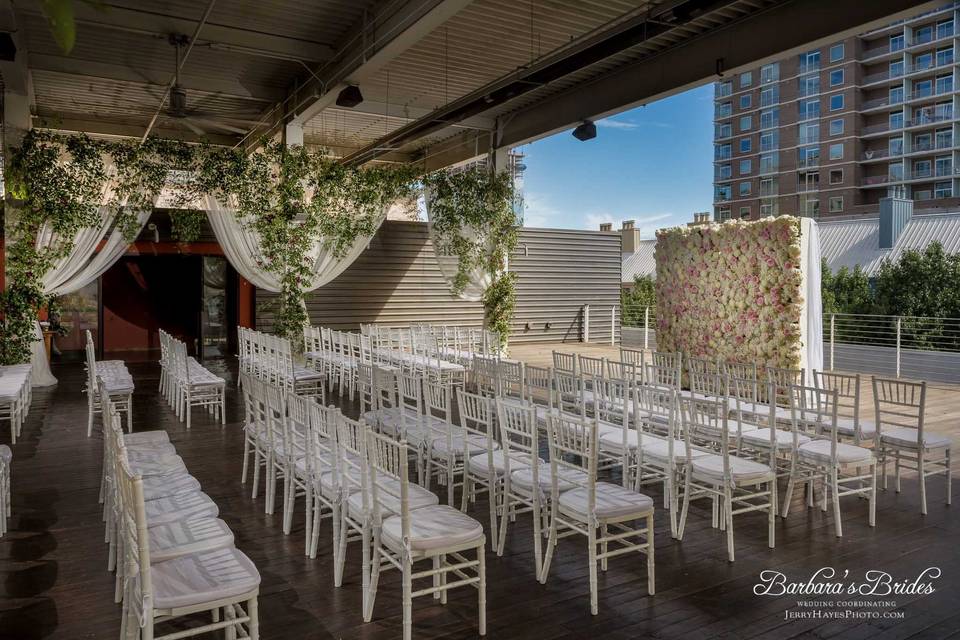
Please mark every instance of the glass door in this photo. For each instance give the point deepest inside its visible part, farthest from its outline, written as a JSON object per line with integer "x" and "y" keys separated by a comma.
{"x": 213, "y": 308}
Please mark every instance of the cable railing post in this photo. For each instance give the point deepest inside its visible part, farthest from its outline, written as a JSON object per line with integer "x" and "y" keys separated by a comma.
{"x": 586, "y": 324}
{"x": 646, "y": 327}
{"x": 899, "y": 320}
{"x": 833, "y": 335}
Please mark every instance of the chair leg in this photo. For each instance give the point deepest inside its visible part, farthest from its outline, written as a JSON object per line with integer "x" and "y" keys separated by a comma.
{"x": 253, "y": 627}
{"x": 130, "y": 413}
{"x": 651, "y": 563}
{"x": 921, "y": 469}
{"x": 873, "y": 495}
{"x": 308, "y": 515}
{"x": 948, "y": 474}
{"x": 537, "y": 532}
{"x": 896, "y": 469}
{"x": 772, "y": 515}
{"x": 835, "y": 489}
{"x": 728, "y": 517}
{"x": 482, "y": 590}
{"x": 592, "y": 541}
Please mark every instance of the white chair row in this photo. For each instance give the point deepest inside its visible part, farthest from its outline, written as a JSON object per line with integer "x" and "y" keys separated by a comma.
{"x": 359, "y": 479}
{"x": 186, "y": 383}
{"x": 6, "y": 460}
{"x": 110, "y": 377}
{"x": 416, "y": 350}
{"x": 172, "y": 555}
{"x": 271, "y": 358}
{"x": 16, "y": 394}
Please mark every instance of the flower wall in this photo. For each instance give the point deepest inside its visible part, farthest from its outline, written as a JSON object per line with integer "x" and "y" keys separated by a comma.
{"x": 731, "y": 291}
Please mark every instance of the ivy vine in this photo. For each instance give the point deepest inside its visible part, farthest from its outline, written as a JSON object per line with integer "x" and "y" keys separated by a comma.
{"x": 473, "y": 216}
{"x": 186, "y": 224}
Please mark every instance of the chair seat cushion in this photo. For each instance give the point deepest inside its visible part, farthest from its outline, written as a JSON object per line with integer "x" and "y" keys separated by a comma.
{"x": 159, "y": 466}
{"x": 183, "y": 537}
{"x": 475, "y": 444}
{"x": 146, "y": 437}
{"x": 158, "y": 451}
{"x": 155, "y": 487}
{"x": 906, "y": 437}
{"x": 819, "y": 451}
{"x": 613, "y": 501}
{"x": 180, "y": 506}
{"x": 568, "y": 479}
{"x": 322, "y": 463}
{"x": 742, "y": 470}
{"x": 434, "y": 527}
{"x": 203, "y": 577}
{"x": 659, "y": 449}
{"x": 611, "y": 439}
{"x": 480, "y": 464}
{"x": 389, "y": 496}
{"x": 847, "y": 427}
{"x": 6, "y": 455}
{"x": 782, "y": 439}
{"x": 302, "y": 374}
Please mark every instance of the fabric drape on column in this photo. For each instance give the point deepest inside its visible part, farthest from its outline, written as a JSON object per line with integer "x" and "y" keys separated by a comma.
{"x": 811, "y": 315}
{"x": 241, "y": 246}
{"x": 477, "y": 280}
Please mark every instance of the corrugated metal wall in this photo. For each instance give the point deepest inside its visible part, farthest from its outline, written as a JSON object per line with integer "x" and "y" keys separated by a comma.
{"x": 397, "y": 281}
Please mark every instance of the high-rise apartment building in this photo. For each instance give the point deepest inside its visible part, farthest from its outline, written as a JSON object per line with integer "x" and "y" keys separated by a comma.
{"x": 832, "y": 130}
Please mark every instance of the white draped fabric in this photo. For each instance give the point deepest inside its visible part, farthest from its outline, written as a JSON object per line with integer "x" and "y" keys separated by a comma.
{"x": 241, "y": 246}
{"x": 477, "y": 280}
{"x": 811, "y": 314}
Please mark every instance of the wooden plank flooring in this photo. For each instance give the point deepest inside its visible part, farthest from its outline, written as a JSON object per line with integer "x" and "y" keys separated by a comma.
{"x": 54, "y": 583}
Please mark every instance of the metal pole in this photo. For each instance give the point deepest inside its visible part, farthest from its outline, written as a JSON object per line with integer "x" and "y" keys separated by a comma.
{"x": 646, "y": 327}
{"x": 613, "y": 325}
{"x": 899, "y": 319}
{"x": 586, "y": 323}
{"x": 833, "y": 334}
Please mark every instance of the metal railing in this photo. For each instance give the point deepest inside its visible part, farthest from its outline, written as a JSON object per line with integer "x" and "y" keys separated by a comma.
{"x": 915, "y": 347}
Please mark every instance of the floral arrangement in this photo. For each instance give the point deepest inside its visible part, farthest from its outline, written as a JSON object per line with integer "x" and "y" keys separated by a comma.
{"x": 731, "y": 291}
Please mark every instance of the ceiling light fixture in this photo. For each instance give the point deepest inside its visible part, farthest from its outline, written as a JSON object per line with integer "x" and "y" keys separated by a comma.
{"x": 350, "y": 97}
{"x": 587, "y": 130}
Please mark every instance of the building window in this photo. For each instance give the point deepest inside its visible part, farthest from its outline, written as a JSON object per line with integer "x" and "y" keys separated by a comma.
{"x": 724, "y": 89}
{"x": 809, "y": 61}
{"x": 896, "y": 68}
{"x": 944, "y": 84}
{"x": 922, "y": 142}
{"x": 922, "y": 88}
{"x": 724, "y": 130}
{"x": 836, "y": 52}
{"x": 745, "y": 123}
{"x": 769, "y": 140}
{"x": 895, "y": 170}
{"x": 724, "y": 109}
{"x": 835, "y": 204}
{"x": 745, "y": 101}
{"x": 722, "y": 151}
{"x": 944, "y": 56}
{"x": 896, "y": 120}
{"x": 923, "y": 34}
{"x": 943, "y": 111}
{"x": 836, "y": 176}
{"x": 746, "y": 79}
{"x": 809, "y": 109}
{"x": 809, "y": 85}
{"x": 836, "y": 77}
{"x": 723, "y": 214}
{"x": 896, "y": 42}
{"x": 808, "y": 132}
{"x": 744, "y": 212}
{"x": 836, "y": 127}
{"x": 746, "y": 166}
{"x": 895, "y": 147}
{"x": 923, "y": 61}
{"x": 922, "y": 194}
{"x": 808, "y": 157}
{"x": 944, "y": 29}
{"x": 770, "y": 73}
{"x": 944, "y": 138}
{"x": 943, "y": 190}
{"x": 836, "y": 151}
{"x": 811, "y": 208}
{"x": 769, "y": 162}
{"x": 896, "y": 94}
{"x": 744, "y": 145}
{"x": 768, "y": 187}
{"x": 769, "y": 96}
{"x": 768, "y": 209}
{"x": 943, "y": 166}
{"x": 744, "y": 189}
{"x": 770, "y": 118}
{"x": 722, "y": 193}
{"x": 836, "y": 102}
{"x": 725, "y": 172}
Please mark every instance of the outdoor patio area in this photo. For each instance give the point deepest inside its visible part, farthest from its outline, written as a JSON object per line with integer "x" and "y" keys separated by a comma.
{"x": 55, "y": 583}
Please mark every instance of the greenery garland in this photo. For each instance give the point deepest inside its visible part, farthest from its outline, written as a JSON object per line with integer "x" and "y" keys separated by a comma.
{"x": 186, "y": 224}
{"x": 474, "y": 218}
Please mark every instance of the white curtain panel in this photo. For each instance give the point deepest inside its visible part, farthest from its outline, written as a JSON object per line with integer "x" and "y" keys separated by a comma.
{"x": 811, "y": 315}
{"x": 477, "y": 280}
{"x": 241, "y": 246}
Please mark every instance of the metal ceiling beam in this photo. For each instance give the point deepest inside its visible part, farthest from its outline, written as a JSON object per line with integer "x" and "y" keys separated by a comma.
{"x": 226, "y": 87}
{"x": 784, "y": 29}
{"x": 370, "y": 46}
{"x": 158, "y": 23}
{"x": 407, "y": 112}
{"x": 101, "y": 127}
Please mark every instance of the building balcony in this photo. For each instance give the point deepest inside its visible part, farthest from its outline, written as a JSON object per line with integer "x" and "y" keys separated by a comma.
{"x": 877, "y": 53}
{"x": 807, "y": 163}
{"x": 915, "y": 123}
{"x": 877, "y": 104}
{"x": 910, "y": 176}
{"x": 906, "y": 71}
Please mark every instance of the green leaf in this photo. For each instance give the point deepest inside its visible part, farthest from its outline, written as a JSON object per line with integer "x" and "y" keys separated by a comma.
{"x": 59, "y": 15}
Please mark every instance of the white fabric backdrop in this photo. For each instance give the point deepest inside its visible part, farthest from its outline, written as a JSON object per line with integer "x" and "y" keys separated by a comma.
{"x": 241, "y": 246}
{"x": 811, "y": 314}
{"x": 478, "y": 278}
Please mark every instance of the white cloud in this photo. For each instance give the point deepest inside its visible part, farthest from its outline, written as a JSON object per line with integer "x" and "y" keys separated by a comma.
{"x": 537, "y": 212}
{"x": 616, "y": 124}
{"x": 593, "y": 221}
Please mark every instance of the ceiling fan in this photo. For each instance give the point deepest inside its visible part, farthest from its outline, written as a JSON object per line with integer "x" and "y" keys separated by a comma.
{"x": 197, "y": 120}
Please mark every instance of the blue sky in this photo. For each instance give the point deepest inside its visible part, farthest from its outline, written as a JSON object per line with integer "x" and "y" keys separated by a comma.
{"x": 653, "y": 164}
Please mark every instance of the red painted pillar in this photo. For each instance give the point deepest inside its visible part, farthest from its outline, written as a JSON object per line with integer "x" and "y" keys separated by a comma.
{"x": 245, "y": 303}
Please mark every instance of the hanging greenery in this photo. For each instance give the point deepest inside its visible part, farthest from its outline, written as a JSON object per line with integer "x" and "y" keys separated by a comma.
{"x": 473, "y": 213}
{"x": 186, "y": 224}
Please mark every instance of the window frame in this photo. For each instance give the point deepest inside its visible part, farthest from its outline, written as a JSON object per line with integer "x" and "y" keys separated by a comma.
{"x": 832, "y": 173}
{"x": 831, "y": 102}
{"x": 839, "y": 132}
{"x": 830, "y": 204}
{"x": 832, "y": 75}
{"x": 830, "y": 150}
{"x": 833, "y": 49}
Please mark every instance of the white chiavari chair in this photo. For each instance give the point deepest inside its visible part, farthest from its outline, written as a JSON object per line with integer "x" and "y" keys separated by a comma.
{"x": 299, "y": 471}
{"x": 110, "y": 377}
{"x": 636, "y": 357}
{"x": 739, "y": 485}
{"x": 900, "y": 416}
{"x": 446, "y": 447}
{"x": 839, "y": 466}
{"x": 603, "y": 512}
{"x": 406, "y": 534}
{"x": 323, "y": 494}
{"x": 6, "y": 461}
{"x": 15, "y": 396}
{"x": 195, "y": 386}
{"x": 850, "y": 424}
{"x": 590, "y": 366}
{"x": 565, "y": 363}
{"x": 484, "y": 471}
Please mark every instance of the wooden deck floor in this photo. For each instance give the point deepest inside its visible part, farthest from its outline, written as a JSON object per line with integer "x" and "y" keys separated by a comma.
{"x": 54, "y": 583}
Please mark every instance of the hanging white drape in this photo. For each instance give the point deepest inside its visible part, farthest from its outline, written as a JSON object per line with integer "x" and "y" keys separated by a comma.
{"x": 811, "y": 314}
{"x": 241, "y": 246}
{"x": 478, "y": 279}
{"x": 81, "y": 266}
